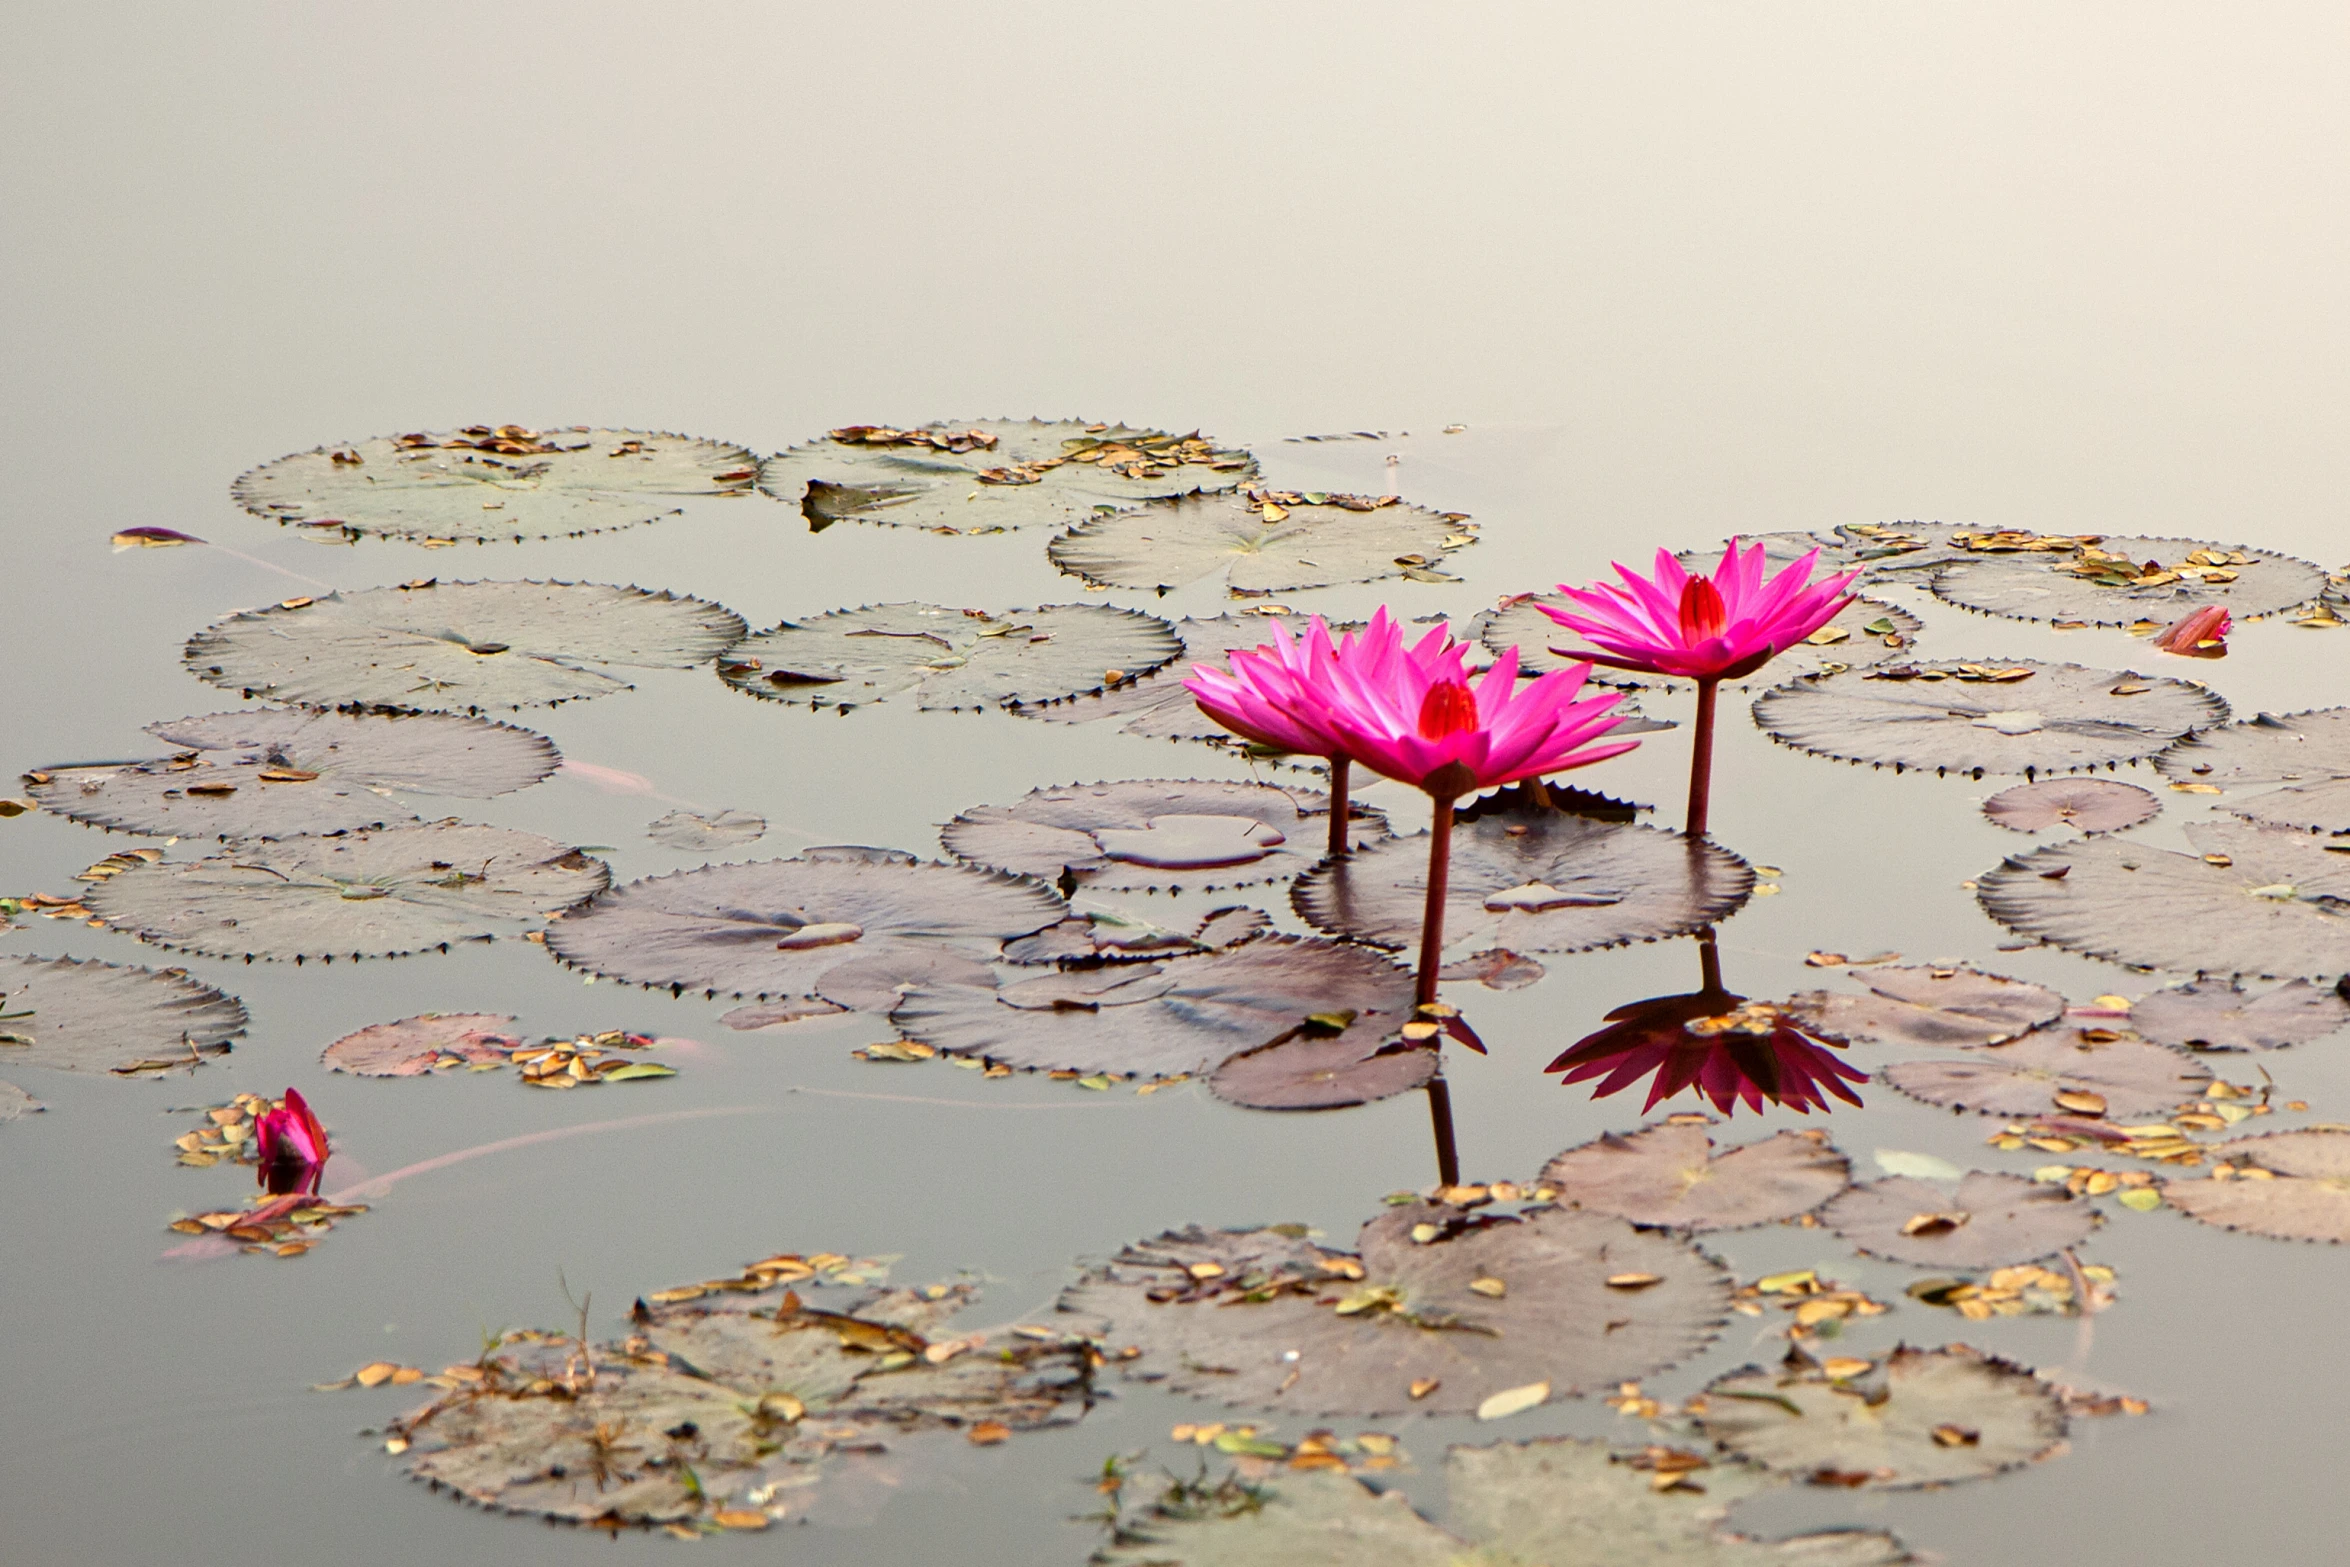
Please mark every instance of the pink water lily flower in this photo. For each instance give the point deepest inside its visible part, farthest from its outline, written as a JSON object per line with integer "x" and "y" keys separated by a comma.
{"x": 291, "y": 1144}
{"x": 2202, "y": 633}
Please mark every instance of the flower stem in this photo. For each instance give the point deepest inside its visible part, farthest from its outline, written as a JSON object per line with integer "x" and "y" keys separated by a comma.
{"x": 1340, "y": 766}
{"x": 1432, "y": 921}
{"x": 1701, "y": 757}
{"x": 1709, "y": 960}
{"x": 1448, "y": 1159}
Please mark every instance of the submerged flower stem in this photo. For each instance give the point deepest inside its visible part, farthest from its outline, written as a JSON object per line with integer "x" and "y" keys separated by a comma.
{"x": 1448, "y": 1158}
{"x": 1701, "y": 756}
{"x": 1432, "y": 921}
{"x": 1340, "y": 766}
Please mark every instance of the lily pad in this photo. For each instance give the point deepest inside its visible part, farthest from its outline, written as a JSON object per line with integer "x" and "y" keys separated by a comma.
{"x": 1261, "y": 1319}
{"x": 1146, "y": 834}
{"x": 1551, "y": 1502}
{"x": 789, "y": 927}
{"x": 694, "y": 830}
{"x": 1998, "y": 716}
{"x": 430, "y": 1042}
{"x": 990, "y": 475}
{"x": 2036, "y": 1074}
{"x": 2212, "y": 1015}
{"x": 1169, "y": 1017}
{"x": 459, "y": 646}
{"x": 1256, "y": 545}
{"x": 2085, "y": 804}
{"x": 1316, "y": 1071}
{"x": 2047, "y": 585}
{"x": 949, "y": 658}
{"x": 1156, "y": 705}
{"x": 1669, "y": 1177}
{"x": 2308, "y": 752}
{"x": 2252, "y": 901}
{"x": 79, "y": 1015}
{"x": 1497, "y": 968}
{"x": 487, "y": 483}
{"x": 15, "y": 1102}
{"x": 1915, "y": 1417}
{"x": 1531, "y": 880}
{"x": 2306, "y": 1196}
{"x": 1863, "y": 633}
{"x": 1992, "y": 1220}
{"x": 1949, "y": 1009}
{"x": 276, "y": 772}
{"x": 373, "y": 894}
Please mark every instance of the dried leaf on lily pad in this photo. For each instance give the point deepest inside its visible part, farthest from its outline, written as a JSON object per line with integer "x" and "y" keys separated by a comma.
{"x": 80, "y": 1015}
{"x": 1914, "y": 1417}
{"x": 459, "y": 646}
{"x": 2035, "y": 1075}
{"x": 1255, "y": 546}
{"x": 498, "y": 483}
{"x": 1551, "y": 1502}
{"x": 1864, "y": 632}
{"x": 1150, "y": 833}
{"x": 2305, "y": 1195}
{"x": 2084, "y": 804}
{"x": 691, "y": 830}
{"x": 429, "y": 1042}
{"x": 990, "y": 475}
{"x": 2109, "y": 584}
{"x": 726, "y": 1408}
{"x": 1670, "y": 1177}
{"x": 2252, "y": 900}
{"x": 1318, "y": 1071}
{"x": 949, "y": 658}
{"x": 2213, "y": 1014}
{"x": 1992, "y": 1220}
{"x": 1169, "y": 1017}
{"x": 1997, "y": 716}
{"x": 1156, "y": 705}
{"x": 276, "y": 772}
{"x": 1262, "y": 1319}
{"x": 828, "y": 920}
{"x": 373, "y": 894}
{"x": 1950, "y": 1009}
{"x": 14, "y": 1102}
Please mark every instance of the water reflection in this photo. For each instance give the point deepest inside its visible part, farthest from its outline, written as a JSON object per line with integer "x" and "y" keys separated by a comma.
{"x": 1728, "y": 1048}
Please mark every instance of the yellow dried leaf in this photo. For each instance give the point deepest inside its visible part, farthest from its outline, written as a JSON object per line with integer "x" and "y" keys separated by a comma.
{"x": 1511, "y": 1401}
{"x": 1633, "y": 1281}
{"x": 1490, "y": 1287}
{"x": 1424, "y": 1386}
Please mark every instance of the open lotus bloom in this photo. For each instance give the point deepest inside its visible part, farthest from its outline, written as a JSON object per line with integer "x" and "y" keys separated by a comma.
{"x": 291, "y": 1144}
{"x": 1720, "y": 626}
{"x": 2202, "y": 633}
{"x": 1255, "y": 700}
{"x": 1729, "y": 1049}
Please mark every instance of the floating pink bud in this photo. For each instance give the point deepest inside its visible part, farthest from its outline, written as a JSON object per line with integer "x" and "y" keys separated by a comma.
{"x": 292, "y": 1145}
{"x": 2201, "y": 633}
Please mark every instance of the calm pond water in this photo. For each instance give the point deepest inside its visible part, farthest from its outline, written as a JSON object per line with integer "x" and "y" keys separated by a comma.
{"x": 1675, "y": 271}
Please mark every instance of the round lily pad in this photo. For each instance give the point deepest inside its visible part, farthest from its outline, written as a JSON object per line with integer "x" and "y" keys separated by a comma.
{"x": 2305, "y": 1197}
{"x": 432, "y": 1042}
{"x": 494, "y": 483}
{"x": 1255, "y": 545}
{"x": 373, "y": 894}
{"x": 1169, "y": 1017}
{"x": 2003, "y": 716}
{"x": 2266, "y": 749}
{"x": 1993, "y": 1220}
{"x": 949, "y": 658}
{"x": 2218, "y": 1015}
{"x": 1546, "y": 1305}
{"x": 786, "y": 927}
{"x": 1953, "y": 1008}
{"x": 1895, "y": 552}
{"x": 1156, "y": 705}
{"x": 2048, "y": 1073}
{"x": 276, "y": 772}
{"x": 1669, "y": 1177}
{"x": 1531, "y": 880}
{"x": 1915, "y": 1417}
{"x": 459, "y": 646}
{"x": 2083, "y": 804}
{"x": 1863, "y": 633}
{"x": 1321, "y": 1072}
{"x": 989, "y": 475}
{"x": 697, "y": 830}
{"x": 2253, "y": 901}
{"x": 2111, "y": 587}
{"x": 1151, "y": 833}
{"x": 79, "y": 1015}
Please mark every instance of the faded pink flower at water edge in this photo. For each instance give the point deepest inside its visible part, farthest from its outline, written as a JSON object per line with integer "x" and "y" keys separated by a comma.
{"x": 290, "y": 1135}
{"x": 1723, "y": 625}
{"x": 2202, "y": 633}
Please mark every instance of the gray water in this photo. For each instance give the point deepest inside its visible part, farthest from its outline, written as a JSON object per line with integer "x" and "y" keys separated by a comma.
{"x": 1677, "y": 269}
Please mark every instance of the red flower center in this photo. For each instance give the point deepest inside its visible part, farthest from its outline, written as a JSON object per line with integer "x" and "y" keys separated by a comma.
{"x": 1703, "y": 614}
{"x": 1447, "y": 709}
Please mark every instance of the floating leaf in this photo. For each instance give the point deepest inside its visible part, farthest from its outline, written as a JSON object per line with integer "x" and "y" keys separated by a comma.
{"x": 2212, "y": 1015}
{"x": 276, "y": 772}
{"x": 696, "y": 830}
{"x": 429, "y": 1042}
{"x": 1315, "y": 1071}
{"x": 2032, "y": 1076}
{"x": 1953, "y": 1008}
{"x": 2112, "y": 587}
{"x": 79, "y": 1015}
{"x": 1156, "y": 705}
{"x": 1497, "y": 968}
{"x": 949, "y": 658}
{"x": 1254, "y": 546}
{"x": 2085, "y": 804}
{"x": 1282, "y": 1324}
{"x": 1147, "y": 834}
{"x": 378, "y": 893}
{"x": 1993, "y": 1220}
{"x": 2308, "y": 751}
{"x": 1168, "y": 1017}
{"x": 459, "y": 646}
{"x": 487, "y": 483}
{"x": 1879, "y": 1427}
{"x": 789, "y": 927}
{"x": 1985, "y": 717}
{"x": 14, "y": 1102}
{"x": 2253, "y": 900}
{"x": 2306, "y": 1196}
{"x": 1669, "y": 1177}
{"x": 1537, "y": 637}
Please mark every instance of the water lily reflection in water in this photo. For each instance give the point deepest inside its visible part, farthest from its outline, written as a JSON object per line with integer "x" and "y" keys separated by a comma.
{"x": 1726, "y": 1047}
